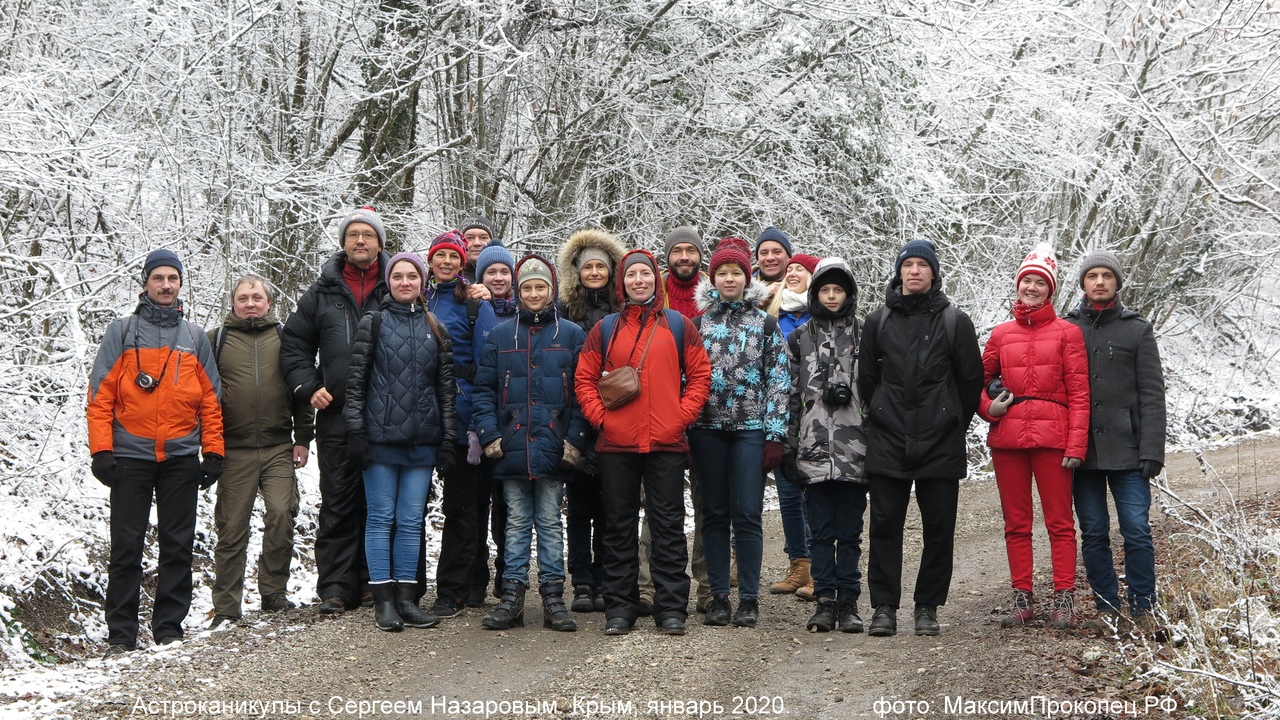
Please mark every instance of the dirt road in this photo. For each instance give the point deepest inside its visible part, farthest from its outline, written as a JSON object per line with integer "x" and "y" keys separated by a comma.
{"x": 300, "y": 665}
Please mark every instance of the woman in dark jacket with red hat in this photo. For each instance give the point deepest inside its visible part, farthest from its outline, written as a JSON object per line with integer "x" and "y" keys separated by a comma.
{"x": 1037, "y": 402}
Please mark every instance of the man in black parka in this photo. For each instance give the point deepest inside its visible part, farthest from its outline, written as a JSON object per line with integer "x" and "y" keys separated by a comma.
{"x": 324, "y": 323}
{"x": 920, "y": 373}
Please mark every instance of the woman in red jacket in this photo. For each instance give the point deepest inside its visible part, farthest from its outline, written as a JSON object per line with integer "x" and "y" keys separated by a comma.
{"x": 642, "y": 441}
{"x": 1037, "y": 402}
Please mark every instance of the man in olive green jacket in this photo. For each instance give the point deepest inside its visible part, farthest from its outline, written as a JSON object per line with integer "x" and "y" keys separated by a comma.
{"x": 267, "y": 437}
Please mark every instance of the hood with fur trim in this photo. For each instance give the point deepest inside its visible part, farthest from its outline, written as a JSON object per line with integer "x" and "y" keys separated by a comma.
{"x": 708, "y": 298}
{"x": 573, "y": 295}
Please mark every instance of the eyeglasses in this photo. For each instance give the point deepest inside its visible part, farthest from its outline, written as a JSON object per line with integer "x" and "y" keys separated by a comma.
{"x": 362, "y": 236}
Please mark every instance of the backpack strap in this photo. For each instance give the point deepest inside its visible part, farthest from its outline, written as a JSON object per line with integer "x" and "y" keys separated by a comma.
{"x": 219, "y": 339}
{"x": 608, "y": 325}
{"x": 949, "y": 314}
{"x": 675, "y": 323}
{"x": 473, "y": 314}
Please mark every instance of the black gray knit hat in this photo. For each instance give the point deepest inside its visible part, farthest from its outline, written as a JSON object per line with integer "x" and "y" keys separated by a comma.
{"x": 481, "y": 222}
{"x": 1101, "y": 258}
{"x": 368, "y": 216}
{"x": 680, "y": 235}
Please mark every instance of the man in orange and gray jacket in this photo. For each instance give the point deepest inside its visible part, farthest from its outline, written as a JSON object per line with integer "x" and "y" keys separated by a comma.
{"x": 153, "y": 408}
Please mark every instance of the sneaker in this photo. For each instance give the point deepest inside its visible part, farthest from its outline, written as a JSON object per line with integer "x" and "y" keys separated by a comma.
{"x": 276, "y": 602}
{"x": 847, "y": 618}
{"x": 221, "y": 620}
{"x": 597, "y": 602}
{"x": 748, "y": 613}
{"x": 927, "y": 620}
{"x": 824, "y": 620}
{"x": 1063, "y": 614}
{"x": 583, "y": 600}
{"x": 617, "y": 626}
{"x": 1023, "y": 610}
{"x": 884, "y": 622}
{"x": 797, "y": 577}
{"x": 332, "y": 606}
{"x": 806, "y": 593}
{"x": 717, "y": 611}
{"x": 114, "y": 651}
{"x": 671, "y": 626}
{"x": 446, "y": 607}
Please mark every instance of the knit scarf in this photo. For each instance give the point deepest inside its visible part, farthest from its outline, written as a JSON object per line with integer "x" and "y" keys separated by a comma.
{"x": 793, "y": 302}
{"x": 680, "y": 294}
{"x": 360, "y": 282}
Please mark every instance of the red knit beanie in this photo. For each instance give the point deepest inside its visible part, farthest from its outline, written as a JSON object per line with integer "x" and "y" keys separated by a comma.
{"x": 449, "y": 240}
{"x": 808, "y": 262}
{"x": 732, "y": 250}
{"x": 1041, "y": 262}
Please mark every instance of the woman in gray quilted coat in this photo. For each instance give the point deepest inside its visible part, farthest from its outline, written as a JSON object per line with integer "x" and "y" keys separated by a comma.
{"x": 399, "y": 411}
{"x": 826, "y": 445}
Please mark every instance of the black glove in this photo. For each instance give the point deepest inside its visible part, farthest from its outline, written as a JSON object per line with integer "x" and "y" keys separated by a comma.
{"x": 995, "y": 387}
{"x": 446, "y": 456}
{"x": 210, "y": 470}
{"x": 1150, "y": 468}
{"x": 358, "y": 450}
{"x": 104, "y": 467}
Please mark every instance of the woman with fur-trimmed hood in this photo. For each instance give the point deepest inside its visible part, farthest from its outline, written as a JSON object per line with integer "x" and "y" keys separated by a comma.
{"x": 586, "y": 266}
{"x": 739, "y": 435}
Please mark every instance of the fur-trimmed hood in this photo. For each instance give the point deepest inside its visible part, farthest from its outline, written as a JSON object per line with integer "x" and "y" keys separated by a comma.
{"x": 572, "y": 294}
{"x": 708, "y": 298}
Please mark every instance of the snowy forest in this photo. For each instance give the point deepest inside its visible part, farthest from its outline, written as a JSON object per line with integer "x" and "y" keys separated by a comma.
{"x": 236, "y": 132}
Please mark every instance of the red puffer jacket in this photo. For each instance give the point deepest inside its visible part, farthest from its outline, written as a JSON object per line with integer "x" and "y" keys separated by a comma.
{"x": 1041, "y": 358}
{"x": 656, "y": 419}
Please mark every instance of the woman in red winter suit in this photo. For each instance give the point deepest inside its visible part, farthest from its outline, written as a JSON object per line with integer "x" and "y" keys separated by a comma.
{"x": 1037, "y": 402}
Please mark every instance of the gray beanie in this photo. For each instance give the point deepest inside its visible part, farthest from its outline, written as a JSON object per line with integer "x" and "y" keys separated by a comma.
{"x": 533, "y": 267}
{"x": 683, "y": 234}
{"x": 481, "y": 222}
{"x": 368, "y": 216}
{"x": 1101, "y": 258}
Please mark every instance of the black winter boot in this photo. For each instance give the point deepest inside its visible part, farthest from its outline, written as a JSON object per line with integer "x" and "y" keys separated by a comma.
{"x": 554, "y": 613}
{"x": 510, "y": 610}
{"x": 407, "y": 605}
{"x": 384, "y": 607}
{"x": 582, "y": 599}
{"x": 824, "y": 620}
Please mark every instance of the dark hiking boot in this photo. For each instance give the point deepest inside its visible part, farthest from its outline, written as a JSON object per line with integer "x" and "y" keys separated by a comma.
{"x": 446, "y": 607}
{"x": 884, "y": 622}
{"x": 115, "y": 651}
{"x": 385, "y": 613}
{"x": 510, "y": 610}
{"x": 1023, "y": 610}
{"x": 597, "y": 602}
{"x": 847, "y": 617}
{"x": 927, "y": 620}
{"x": 555, "y": 614}
{"x": 583, "y": 599}
{"x": 332, "y": 605}
{"x": 222, "y": 620}
{"x": 748, "y": 613}
{"x": 276, "y": 602}
{"x": 824, "y": 619}
{"x": 475, "y": 597}
{"x": 717, "y": 611}
{"x": 407, "y": 605}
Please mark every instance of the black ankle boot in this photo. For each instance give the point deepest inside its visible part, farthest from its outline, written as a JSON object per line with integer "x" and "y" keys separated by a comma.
{"x": 510, "y": 610}
{"x": 407, "y": 605}
{"x": 555, "y": 614}
{"x": 583, "y": 600}
{"x": 384, "y": 607}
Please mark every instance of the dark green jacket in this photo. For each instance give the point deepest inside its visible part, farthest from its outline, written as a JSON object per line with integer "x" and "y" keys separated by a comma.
{"x": 257, "y": 408}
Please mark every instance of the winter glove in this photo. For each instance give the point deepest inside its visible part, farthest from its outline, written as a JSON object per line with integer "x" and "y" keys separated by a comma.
{"x": 1150, "y": 468}
{"x": 995, "y": 387}
{"x": 571, "y": 456}
{"x": 1001, "y": 404}
{"x": 1071, "y": 463}
{"x": 493, "y": 451}
{"x": 446, "y": 456}
{"x": 473, "y": 448}
{"x": 358, "y": 450}
{"x": 773, "y": 451}
{"x": 210, "y": 470}
{"x": 104, "y": 467}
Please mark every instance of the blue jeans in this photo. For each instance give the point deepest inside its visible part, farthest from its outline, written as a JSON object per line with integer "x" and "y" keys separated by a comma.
{"x": 1132, "y": 496}
{"x": 530, "y": 503}
{"x": 397, "y": 499}
{"x": 730, "y": 469}
{"x": 795, "y": 531}
{"x": 836, "y": 508}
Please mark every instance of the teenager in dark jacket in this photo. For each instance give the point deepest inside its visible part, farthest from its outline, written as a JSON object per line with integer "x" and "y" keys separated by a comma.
{"x": 642, "y": 442}
{"x": 920, "y": 373}
{"x": 400, "y": 420}
{"x": 586, "y": 266}
{"x": 324, "y": 324}
{"x": 528, "y": 420}
{"x": 449, "y": 300}
{"x": 738, "y": 437}
{"x": 1039, "y": 415}
{"x": 826, "y": 443}
{"x": 1126, "y": 442}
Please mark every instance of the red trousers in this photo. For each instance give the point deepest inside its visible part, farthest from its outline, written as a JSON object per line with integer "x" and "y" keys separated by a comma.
{"x": 1014, "y": 469}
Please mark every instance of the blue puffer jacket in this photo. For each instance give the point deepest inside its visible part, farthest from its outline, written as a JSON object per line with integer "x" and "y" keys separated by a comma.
{"x": 467, "y": 345}
{"x": 400, "y": 390}
{"x": 788, "y": 322}
{"x": 524, "y": 394}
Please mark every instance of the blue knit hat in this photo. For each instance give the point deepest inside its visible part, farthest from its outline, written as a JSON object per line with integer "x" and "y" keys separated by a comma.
{"x": 494, "y": 253}
{"x": 919, "y": 249}
{"x": 161, "y": 258}
{"x": 772, "y": 233}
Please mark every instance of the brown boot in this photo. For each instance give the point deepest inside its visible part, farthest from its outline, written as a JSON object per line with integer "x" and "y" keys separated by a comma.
{"x": 806, "y": 592}
{"x": 797, "y": 577}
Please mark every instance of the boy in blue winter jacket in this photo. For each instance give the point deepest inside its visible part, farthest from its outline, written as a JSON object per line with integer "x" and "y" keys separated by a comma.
{"x": 529, "y": 424}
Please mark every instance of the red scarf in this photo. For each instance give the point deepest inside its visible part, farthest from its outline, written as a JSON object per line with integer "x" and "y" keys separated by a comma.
{"x": 360, "y": 282}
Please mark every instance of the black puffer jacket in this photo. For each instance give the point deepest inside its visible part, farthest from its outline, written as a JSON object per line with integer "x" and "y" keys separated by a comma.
{"x": 921, "y": 391}
{"x": 325, "y": 323}
{"x": 1126, "y": 382}
{"x": 401, "y": 386}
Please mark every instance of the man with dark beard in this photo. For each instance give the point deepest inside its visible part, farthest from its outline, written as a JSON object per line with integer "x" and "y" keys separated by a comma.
{"x": 683, "y": 251}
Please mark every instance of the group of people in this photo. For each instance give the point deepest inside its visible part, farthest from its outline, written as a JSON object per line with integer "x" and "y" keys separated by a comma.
{"x": 600, "y": 377}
